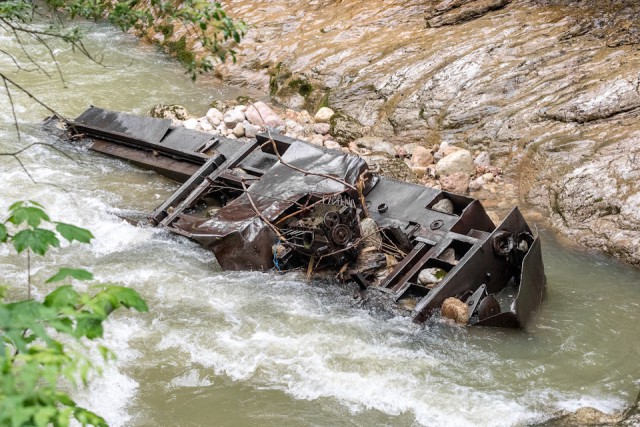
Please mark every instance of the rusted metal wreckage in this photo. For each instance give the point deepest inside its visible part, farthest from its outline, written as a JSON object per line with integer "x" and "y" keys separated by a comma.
{"x": 278, "y": 203}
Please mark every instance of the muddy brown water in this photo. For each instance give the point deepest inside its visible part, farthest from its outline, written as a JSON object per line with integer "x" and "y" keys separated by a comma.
{"x": 261, "y": 349}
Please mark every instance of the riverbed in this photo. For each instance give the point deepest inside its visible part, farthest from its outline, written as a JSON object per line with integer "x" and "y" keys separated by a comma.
{"x": 262, "y": 349}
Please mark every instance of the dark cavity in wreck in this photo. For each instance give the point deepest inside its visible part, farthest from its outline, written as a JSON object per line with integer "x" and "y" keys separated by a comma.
{"x": 276, "y": 203}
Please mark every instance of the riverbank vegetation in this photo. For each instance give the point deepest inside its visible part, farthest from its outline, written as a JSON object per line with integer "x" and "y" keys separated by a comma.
{"x": 43, "y": 344}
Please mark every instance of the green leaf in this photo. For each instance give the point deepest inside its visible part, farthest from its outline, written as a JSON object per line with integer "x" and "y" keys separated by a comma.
{"x": 38, "y": 240}
{"x": 71, "y": 233}
{"x": 63, "y": 296}
{"x": 127, "y": 297}
{"x": 89, "y": 327}
{"x": 3, "y": 233}
{"x": 76, "y": 273}
{"x": 31, "y": 214}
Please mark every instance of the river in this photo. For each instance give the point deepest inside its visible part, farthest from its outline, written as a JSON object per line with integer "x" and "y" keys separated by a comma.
{"x": 262, "y": 349}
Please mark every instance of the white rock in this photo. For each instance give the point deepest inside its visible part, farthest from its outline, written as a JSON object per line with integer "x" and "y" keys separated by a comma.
{"x": 250, "y": 131}
{"x": 222, "y": 128}
{"x": 324, "y": 115}
{"x": 370, "y": 233}
{"x": 458, "y": 161}
{"x": 409, "y": 148}
{"x": 232, "y": 136}
{"x": 488, "y": 177}
{"x": 476, "y": 184}
{"x": 191, "y": 123}
{"x": 445, "y": 206}
{"x": 321, "y": 128}
{"x": 206, "y": 126}
{"x": 238, "y": 130}
{"x": 421, "y": 156}
{"x": 317, "y": 139}
{"x": 483, "y": 159}
{"x": 260, "y": 114}
{"x": 233, "y": 117}
{"x": 214, "y": 112}
{"x": 293, "y": 126}
{"x": 332, "y": 145}
{"x": 428, "y": 276}
{"x": 242, "y": 108}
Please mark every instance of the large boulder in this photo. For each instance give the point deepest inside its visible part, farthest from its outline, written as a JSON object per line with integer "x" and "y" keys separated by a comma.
{"x": 458, "y": 161}
{"x": 261, "y": 114}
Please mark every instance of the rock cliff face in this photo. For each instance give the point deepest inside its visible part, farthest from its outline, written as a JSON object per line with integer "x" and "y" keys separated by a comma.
{"x": 550, "y": 88}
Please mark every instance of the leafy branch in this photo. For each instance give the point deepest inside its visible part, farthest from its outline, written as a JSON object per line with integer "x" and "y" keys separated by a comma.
{"x": 42, "y": 344}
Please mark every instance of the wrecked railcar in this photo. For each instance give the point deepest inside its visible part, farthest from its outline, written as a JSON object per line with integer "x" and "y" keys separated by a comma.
{"x": 278, "y": 203}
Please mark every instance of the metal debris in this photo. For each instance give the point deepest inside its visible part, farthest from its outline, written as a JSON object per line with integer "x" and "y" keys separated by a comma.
{"x": 275, "y": 203}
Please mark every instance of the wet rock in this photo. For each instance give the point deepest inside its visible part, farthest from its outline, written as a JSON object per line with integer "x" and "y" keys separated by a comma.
{"x": 371, "y": 233}
{"x": 387, "y": 165}
{"x": 323, "y": 115}
{"x": 456, "y": 310}
{"x": 173, "y": 111}
{"x": 457, "y": 182}
{"x": 445, "y": 206}
{"x": 345, "y": 128}
{"x": 191, "y": 124}
{"x": 483, "y": 160}
{"x": 586, "y": 416}
{"x": 321, "y": 128}
{"x": 458, "y": 161}
{"x": 260, "y": 114}
{"x": 233, "y": 117}
{"x": 430, "y": 276}
{"x": 421, "y": 156}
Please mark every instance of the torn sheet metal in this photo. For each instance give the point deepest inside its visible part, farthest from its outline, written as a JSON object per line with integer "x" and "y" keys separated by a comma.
{"x": 284, "y": 204}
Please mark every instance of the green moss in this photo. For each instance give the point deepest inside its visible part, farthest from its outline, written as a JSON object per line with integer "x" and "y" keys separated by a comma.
{"x": 301, "y": 86}
{"x": 179, "y": 49}
{"x": 166, "y": 30}
{"x": 245, "y": 100}
{"x": 324, "y": 102}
